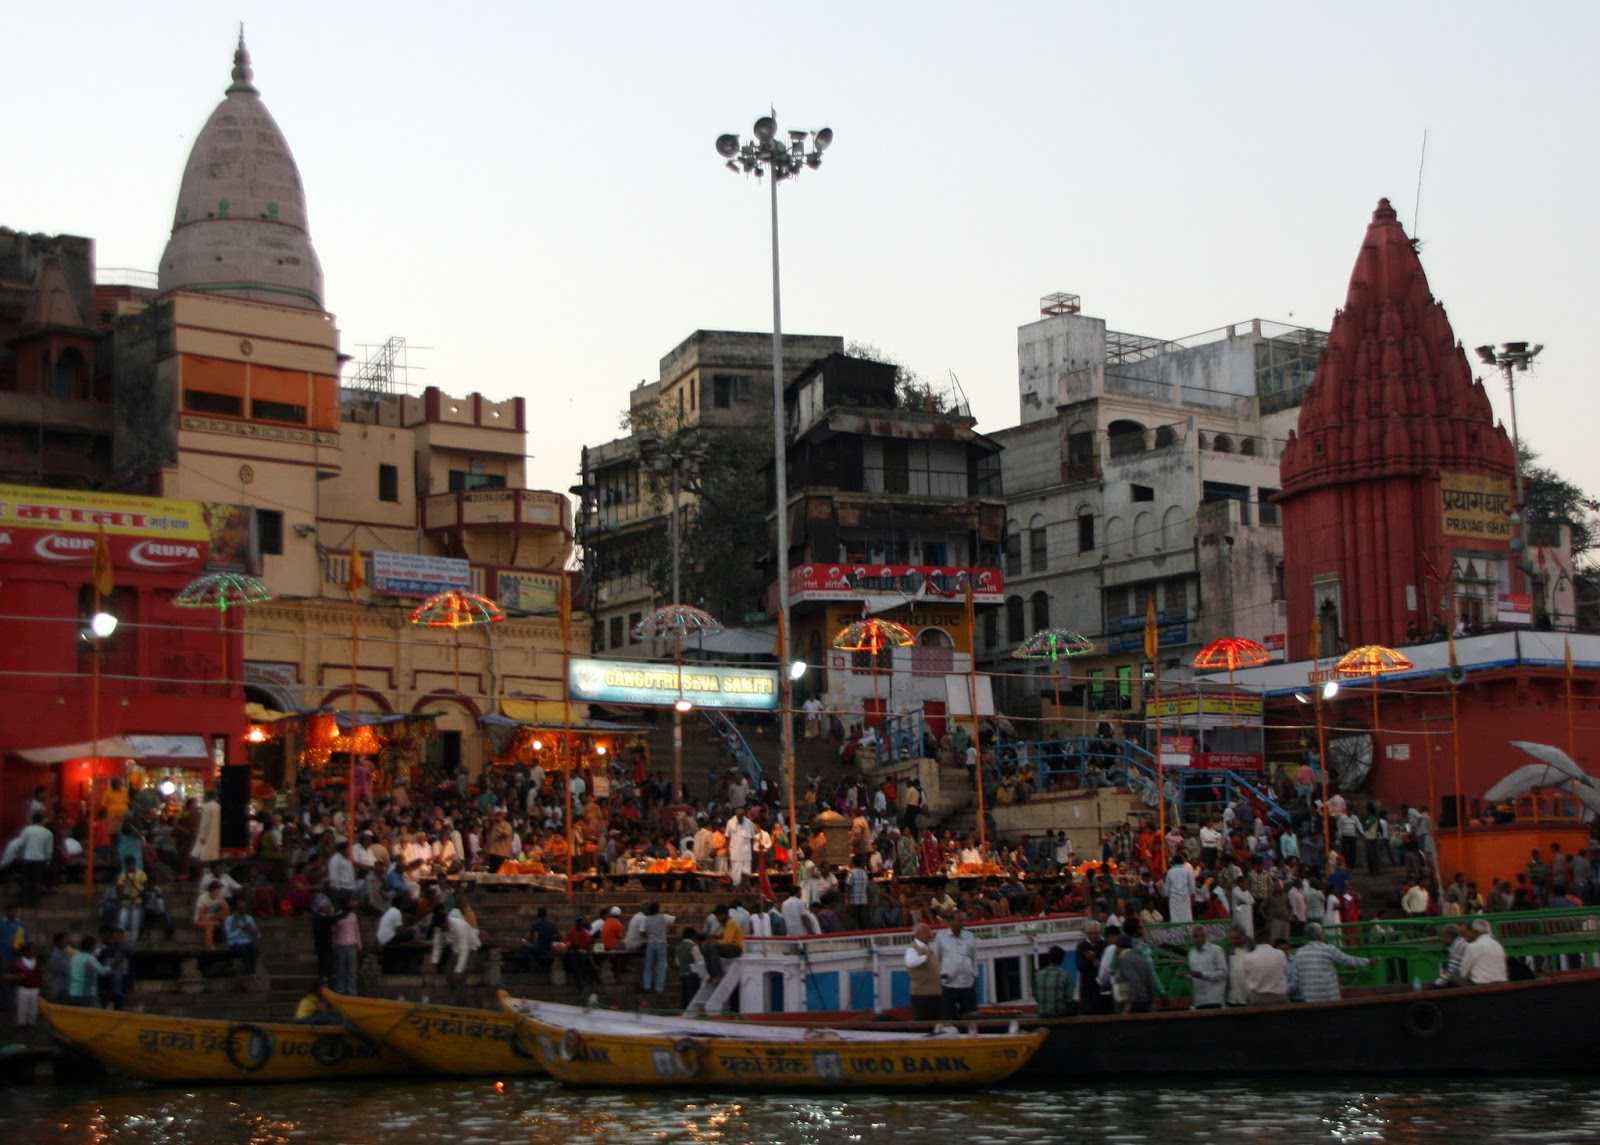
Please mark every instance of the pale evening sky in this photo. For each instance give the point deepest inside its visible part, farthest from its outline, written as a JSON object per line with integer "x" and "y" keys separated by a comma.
{"x": 531, "y": 189}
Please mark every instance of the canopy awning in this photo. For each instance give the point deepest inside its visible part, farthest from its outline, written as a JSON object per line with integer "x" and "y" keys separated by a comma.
{"x": 735, "y": 642}
{"x": 156, "y": 750}
{"x": 536, "y": 714}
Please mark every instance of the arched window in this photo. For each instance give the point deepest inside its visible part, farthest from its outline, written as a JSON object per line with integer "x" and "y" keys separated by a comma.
{"x": 1222, "y": 443}
{"x": 1172, "y": 529}
{"x": 1144, "y": 538}
{"x": 1014, "y": 621}
{"x": 1165, "y": 436}
{"x": 1116, "y": 538}
{"x": 1041, "y": 610}
{"x": 1247, "y": 446}
{"x": 1126, "y": 437}
{"x": 932, "y": 637}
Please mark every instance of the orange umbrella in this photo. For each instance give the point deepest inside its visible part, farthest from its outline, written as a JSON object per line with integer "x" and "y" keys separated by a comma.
{"x": 872, "y": 635}
{"x": 1232, "y": 652}
{"x": 1373, "y": 660}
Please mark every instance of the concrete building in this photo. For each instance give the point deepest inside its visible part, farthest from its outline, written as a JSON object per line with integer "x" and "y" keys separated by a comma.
{"x": 890, "y": 503}
{"x": 713, "y": 382}
{"x": 1143, "y": 468}
{"x": 223, "y": 392}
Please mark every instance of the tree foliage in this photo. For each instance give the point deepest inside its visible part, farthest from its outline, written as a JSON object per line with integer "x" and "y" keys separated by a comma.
{"x": 912, "y": 390}
{"x": 1553, "y": 500}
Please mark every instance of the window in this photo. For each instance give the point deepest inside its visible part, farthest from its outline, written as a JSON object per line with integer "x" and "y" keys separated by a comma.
{"x": 1038, "y": 545}
{"x": 1080, "y": 454}
{"x": 1143, "y": 492}
{"x": 680, "y": 403}
{"x": 1268, "y": 510}
{"x": 1222, "y": 443}
{"x": 616, "y": 634}
{"x": 1014, "y": 620}
{"x": 1125, "y": 437}
{"x": 1008, "y": 979}
{"x": 896, "y": 551}
{"x": 991, "y": 628}
{"x": 1013, "y": 552}
{"x": 269, "y": 531}
{"x": 1247, "y": 446}
{"x": 464, "y": 482}
{"x": 896, "y": 467}
{"x": 1277, "y": 582}
{"x": 1041, "y": 611}
{"x": 694, "y": 394}
{"x": 1085, "y": 532}
{"x": 71, "y": 378}
{"x": 277, "y": 411}
{"x": 388, "y": 483}
{"x": 633, "y": 622}
{"x": 1165, "y": 436}
{"x": 935, "y": 553}
{"x": 200, "y": 401}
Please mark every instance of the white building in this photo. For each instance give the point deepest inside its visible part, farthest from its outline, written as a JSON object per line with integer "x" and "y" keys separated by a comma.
{"x": 1143, "y": 468}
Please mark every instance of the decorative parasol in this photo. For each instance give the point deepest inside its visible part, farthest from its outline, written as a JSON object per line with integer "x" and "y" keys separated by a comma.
{"x": 222, "y": 591}
{"x": 677, "y": 621}
{"x": 1232, "y": 652}
{"x": 1372, "y": 660}
{"x": 872, "y": 635}
{"x": 455, "y": 610}
{"x": 1054, "y": 644}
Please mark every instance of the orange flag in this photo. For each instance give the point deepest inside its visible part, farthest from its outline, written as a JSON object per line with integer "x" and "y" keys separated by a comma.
{"x": 358, "y": 573}
{"x": 1152, "y": 638}
{"x": 101, "y": 572}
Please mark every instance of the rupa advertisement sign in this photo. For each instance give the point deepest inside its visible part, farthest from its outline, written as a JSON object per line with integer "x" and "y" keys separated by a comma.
{"x": 60, "y": 527}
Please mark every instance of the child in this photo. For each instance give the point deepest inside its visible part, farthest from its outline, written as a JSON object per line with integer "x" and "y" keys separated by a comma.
{"x": 29, "y": 980}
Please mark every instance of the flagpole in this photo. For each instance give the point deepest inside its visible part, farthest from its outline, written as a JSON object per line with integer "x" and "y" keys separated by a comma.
{"x": 1572, "y": 740}
{"x": 1152, "y": 649}
{"x": 1455, "y": 743}
{"x": 354, "y": 581}
{"x": 101, "y": 572}
{"x": 1322, "y": 735}
{"x": 972, "y": 699}
{"x": 794, "y": 821}
{"x": 564, "y": 744}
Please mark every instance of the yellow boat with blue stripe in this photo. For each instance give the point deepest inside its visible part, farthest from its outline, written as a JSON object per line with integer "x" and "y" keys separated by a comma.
{"x": 453, "y": 1040}
{"x": 614, "y": 1049}
{"x": 157, "y": 1048}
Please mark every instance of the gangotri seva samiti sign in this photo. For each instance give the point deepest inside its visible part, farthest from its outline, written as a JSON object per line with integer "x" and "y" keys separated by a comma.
{"x": 706, "y": 686}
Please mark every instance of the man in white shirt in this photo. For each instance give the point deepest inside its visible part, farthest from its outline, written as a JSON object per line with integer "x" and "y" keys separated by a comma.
{"x": 389, "y": 925}
{"x": 922, "y": 966}
{"x": 1180, "y": 892}
{"x": 1242, "y": 905}
{"x": 341, "y": 872}
{"x": 957, "y": 949}
{"x": 1208, "y": 970}
{"x": 38, "y": 847}
{"x": 1266, "y": 975}
{"x": 741, "y": 834}
{"x": 1485, "y": 959}
{"x": 797, "y": 920}
{"x": 1415, "y": 900}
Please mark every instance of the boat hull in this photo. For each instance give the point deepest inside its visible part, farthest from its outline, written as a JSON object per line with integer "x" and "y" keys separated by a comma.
{"x": 1544, "y": 1026}
{"x": 811, "y": 1060}
{"x": 157, "y": 1048}
{"x": 452, "y": 1040}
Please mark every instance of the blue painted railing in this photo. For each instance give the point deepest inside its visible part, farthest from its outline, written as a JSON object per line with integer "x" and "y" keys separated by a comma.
{"x": 733, "y": 739}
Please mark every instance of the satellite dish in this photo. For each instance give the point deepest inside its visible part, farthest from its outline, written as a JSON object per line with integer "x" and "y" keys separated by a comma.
{"x": 824, "y": 138}
{"x": 1351, "y": 760}
{"x": 766, "y": 127}
{"x": 727, "y": 146}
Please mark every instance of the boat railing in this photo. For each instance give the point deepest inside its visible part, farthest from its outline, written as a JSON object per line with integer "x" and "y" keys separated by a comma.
{"x": 894, "y": 941}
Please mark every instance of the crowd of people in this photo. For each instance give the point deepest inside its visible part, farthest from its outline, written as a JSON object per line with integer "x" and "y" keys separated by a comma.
{"x": 415, "y": 853}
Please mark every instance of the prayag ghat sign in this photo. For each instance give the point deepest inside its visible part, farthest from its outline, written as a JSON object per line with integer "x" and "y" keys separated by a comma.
{"x": 631, "y": 682}
{"x": 1476, "y": 506}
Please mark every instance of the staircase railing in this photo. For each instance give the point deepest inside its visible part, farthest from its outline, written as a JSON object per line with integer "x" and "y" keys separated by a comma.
{"x": 733, "y": 740}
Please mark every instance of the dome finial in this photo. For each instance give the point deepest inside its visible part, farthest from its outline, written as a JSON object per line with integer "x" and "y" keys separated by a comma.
{"x": 242, "y": 75}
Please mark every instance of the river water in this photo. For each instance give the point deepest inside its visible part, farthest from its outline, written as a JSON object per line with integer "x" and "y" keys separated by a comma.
{"x": 1540, "y": 1110}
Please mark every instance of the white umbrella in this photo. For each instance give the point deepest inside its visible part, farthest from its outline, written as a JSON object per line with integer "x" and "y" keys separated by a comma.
{"x": 1556, "y": 758}
{"x": 1526, "y": 778}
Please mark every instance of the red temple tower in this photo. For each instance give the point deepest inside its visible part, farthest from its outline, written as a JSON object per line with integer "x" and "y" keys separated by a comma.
{"x": 1397, "y": 487}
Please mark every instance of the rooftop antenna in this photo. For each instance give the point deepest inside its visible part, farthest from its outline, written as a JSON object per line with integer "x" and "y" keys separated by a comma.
{"x": 1416, "y": 211}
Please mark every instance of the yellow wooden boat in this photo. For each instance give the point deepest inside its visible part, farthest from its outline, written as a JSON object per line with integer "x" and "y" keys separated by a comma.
{"x": 154, "y": 1047}
{"x": 451, "y": 1040}
{"x": 612, "y": 1049}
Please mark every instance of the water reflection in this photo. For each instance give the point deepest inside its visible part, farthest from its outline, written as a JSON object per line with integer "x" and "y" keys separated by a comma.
{"x": 475, "y": 1113}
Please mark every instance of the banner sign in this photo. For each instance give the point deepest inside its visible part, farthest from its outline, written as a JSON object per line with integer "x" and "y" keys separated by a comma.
{"x": 59, "y": 527}
{"x": 1514, "y": 608}
{"x": 657, "y": 685}
{"x": 917, "y": 582}
{"x": 235, "y": 542}
{"x": 1476, "y": 506}
{"x": 528, "y": 592}
{"x": 1176, "y": 751}
{"x": 1208, "y": 705}
{"x": 412, "y": 574}
{"x": 1229, "y": 761}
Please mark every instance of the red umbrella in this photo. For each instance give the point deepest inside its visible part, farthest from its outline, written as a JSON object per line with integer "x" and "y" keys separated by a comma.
{"x": 1232, "y": 652}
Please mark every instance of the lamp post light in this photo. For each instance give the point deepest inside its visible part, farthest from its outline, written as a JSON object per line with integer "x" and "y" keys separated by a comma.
{"x": 769, "y": 154}
{"x": 1511, "y": 359}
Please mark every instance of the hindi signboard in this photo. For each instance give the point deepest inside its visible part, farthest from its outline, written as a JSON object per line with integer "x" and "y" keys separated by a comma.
{"x": 657, "y": 685}
{"x": 412, "y": 574}
{"x": 1476, "y": 506}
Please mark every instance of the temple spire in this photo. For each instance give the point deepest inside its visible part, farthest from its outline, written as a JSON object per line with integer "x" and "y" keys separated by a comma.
{"x": 242, "y": 75}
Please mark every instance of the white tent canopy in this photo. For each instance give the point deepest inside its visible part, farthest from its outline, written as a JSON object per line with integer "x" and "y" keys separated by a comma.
{"x": 144, "y": 747}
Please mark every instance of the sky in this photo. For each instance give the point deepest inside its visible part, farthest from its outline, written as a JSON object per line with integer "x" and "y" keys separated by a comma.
{"x": 530, "y": 191}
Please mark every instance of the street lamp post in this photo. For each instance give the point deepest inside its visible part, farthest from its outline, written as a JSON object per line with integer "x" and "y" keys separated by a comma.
{"x": 767, "y": 154}
{"x": 1511, "y": 359}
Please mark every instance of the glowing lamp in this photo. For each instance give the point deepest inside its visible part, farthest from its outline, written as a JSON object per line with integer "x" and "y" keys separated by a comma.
{"x": 102, "y": 624}
{"x": 683, "y": 704}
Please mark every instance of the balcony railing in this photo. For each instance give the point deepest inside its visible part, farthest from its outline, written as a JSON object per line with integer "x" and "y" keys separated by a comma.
{"x": 496, "y": 508}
